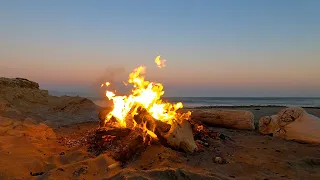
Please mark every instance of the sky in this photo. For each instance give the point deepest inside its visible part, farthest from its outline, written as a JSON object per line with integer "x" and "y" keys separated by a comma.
{"x": 213, "y": 48}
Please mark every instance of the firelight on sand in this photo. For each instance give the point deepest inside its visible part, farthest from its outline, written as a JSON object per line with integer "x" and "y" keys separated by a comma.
{"x": 146, "y": 95}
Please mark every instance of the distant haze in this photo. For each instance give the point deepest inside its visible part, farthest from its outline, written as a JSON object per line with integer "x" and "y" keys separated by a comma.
{"x": 213, "y": 48}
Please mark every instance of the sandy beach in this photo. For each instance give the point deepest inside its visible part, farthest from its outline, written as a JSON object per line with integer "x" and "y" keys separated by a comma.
{"x": 249, "y": 156}
{"x": 48, "y": 137}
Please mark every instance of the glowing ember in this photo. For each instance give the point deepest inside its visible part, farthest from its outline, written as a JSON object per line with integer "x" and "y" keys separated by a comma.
{"x": 146, "y": 95}
{"x": 107, "y": 84}
{"x": 160, "y": 62}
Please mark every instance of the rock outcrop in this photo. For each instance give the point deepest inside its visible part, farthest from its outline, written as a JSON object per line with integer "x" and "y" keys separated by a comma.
{"x": 21, "y": 98}
{"x": 17, "y": 83}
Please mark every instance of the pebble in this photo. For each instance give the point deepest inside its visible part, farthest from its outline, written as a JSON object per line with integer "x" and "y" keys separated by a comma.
{"x": 218, "y": 160}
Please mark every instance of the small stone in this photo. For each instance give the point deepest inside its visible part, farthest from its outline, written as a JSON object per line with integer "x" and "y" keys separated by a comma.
{"x": 218, "y": 160}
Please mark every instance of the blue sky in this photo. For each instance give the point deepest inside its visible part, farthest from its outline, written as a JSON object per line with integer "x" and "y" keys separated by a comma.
{"x": 213, "y": 48}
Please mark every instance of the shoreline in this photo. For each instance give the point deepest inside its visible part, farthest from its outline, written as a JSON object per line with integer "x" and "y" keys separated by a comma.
{"x": 308, "y": 104}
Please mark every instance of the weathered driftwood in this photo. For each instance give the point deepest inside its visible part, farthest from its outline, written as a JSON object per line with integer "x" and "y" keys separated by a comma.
{"x": 236, "y": 119}
{"x": 292, "y": 124}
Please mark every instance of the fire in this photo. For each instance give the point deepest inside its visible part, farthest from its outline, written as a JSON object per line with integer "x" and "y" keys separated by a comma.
{"x": 107, "y": 84}
{"x": 146, "y": 95}
{"x": 160, "y": 62}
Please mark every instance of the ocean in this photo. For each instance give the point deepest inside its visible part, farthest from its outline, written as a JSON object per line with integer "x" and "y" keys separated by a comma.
{"x": 191, "y": 102}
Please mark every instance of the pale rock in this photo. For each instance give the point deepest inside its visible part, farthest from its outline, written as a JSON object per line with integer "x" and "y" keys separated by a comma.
{"x": 292, "y": 123}
{"x": 180, "y": 137}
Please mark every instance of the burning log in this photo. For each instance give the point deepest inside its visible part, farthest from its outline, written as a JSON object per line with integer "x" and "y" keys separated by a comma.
{"x": 152, "y": 124}
{"x": 292, "y": 124}
{"x": 178, "y": 135}
{"x": 119, "y": 132}
{"x": 122, "y": 143}
{"x": 134, "y": 146}
{"x": 235, "y": 119}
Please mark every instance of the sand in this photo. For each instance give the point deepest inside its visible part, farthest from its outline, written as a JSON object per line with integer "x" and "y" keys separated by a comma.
{"x": 61, "y": 153}
{"x": 46, "y": 137}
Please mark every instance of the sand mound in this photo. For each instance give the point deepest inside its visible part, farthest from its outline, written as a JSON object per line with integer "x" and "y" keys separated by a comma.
{"x": 20, "y": 144}
{"x": 92, "y": 168}
{"x": 27, "y": 128}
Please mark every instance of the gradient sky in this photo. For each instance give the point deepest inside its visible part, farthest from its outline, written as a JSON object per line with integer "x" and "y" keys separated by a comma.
{"x": 212, "y": 48}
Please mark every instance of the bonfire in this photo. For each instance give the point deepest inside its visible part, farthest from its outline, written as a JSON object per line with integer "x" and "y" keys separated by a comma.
{"x": 143, "y": 117}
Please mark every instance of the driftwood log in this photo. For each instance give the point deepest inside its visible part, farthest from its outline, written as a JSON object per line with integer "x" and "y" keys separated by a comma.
{"x": 235, "y": 119}
{"x": 292, "y": 123}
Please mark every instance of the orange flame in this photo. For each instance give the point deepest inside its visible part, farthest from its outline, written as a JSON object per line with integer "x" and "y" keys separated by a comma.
{"x": 107, "y": 84}
{"x": 147, "y": 95}
{"x": 160, "y": 62}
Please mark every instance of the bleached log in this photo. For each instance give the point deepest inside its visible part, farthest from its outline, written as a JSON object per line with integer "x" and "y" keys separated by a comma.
{"x": 235, "y": 119}
{"x": 292, "y": 124}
